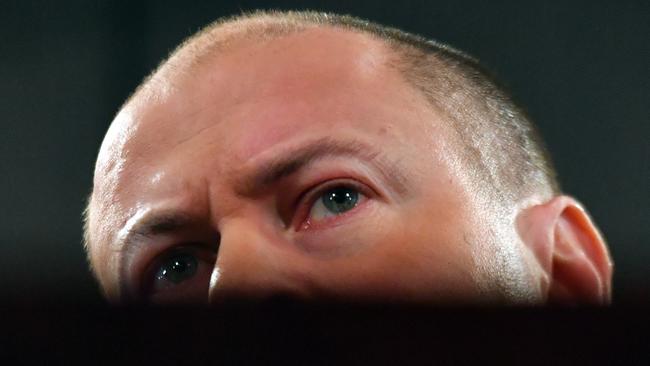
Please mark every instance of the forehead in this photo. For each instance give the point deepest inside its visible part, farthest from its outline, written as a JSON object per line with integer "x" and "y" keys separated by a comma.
{"x": 230, "y": 107}
{"x": 257, "y": 84}
{"x": 316, "y": 64}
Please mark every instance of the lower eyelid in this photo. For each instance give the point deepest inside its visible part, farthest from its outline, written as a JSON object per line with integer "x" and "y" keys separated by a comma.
{"x": 343, "y": 236}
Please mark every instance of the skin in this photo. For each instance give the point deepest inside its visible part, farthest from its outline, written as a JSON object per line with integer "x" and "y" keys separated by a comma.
{"x": 190, "y": 144}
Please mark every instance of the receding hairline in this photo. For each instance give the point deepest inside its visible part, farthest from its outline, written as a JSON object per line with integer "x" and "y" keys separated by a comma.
{"x": 437, "y": 70}
{"x": 263, "y": 26}
{"x": 480, "y": 105}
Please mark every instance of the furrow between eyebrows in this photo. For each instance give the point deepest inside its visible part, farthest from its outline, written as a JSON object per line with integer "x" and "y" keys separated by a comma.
{"x": 265, "y": 174}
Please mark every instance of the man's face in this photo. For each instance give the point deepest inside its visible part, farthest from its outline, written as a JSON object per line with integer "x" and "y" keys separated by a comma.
{"x": 302, "y": 166}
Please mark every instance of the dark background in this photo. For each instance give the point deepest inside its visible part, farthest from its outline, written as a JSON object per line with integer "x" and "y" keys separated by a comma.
{"x": 580, "y": 69}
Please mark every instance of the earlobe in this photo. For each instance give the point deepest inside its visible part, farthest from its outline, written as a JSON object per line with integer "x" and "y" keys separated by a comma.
{"x": 576, "y": 266}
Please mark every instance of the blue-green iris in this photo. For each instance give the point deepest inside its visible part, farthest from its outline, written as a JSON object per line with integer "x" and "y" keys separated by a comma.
{"x": 340, "y": 199}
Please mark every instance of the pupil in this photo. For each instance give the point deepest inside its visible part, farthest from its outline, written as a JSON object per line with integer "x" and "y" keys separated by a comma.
{"x": 178, "y": 268}
{"x": 339, "y": 200}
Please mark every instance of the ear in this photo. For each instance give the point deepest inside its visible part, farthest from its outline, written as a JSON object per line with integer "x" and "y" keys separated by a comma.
{"x": 575, "y": 265}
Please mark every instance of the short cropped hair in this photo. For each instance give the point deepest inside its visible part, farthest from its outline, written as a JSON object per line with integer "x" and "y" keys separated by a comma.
{"x": 499, "y": 144}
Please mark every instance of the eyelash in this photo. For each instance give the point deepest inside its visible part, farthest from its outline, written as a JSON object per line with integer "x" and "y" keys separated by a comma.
{"x": 307, "y": 200}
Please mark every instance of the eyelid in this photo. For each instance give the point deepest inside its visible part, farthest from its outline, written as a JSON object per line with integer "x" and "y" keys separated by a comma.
{"x": 306, "y": 200}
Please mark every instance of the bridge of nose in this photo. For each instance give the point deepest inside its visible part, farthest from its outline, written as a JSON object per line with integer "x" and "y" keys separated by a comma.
{"x": 254, "y": 263}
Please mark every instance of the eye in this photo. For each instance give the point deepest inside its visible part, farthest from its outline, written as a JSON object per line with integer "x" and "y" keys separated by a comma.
{"x": 183, "y": 275}
{"x": 333, "y": 202}
{"x": 177, "y": 268}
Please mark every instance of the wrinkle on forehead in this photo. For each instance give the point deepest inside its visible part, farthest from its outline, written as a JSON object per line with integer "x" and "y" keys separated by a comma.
{"x": 291, "y": 63}
{"x": 166, "y": 112}
{"x": 171, "y": 109}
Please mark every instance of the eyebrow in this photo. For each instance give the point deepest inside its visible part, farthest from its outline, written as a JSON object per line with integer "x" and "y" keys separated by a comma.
{"x": 152, "y": 223}
{"x": 267, "y": 173}
{"x": 159, "y": 222}
{"x": 291, "y": 161}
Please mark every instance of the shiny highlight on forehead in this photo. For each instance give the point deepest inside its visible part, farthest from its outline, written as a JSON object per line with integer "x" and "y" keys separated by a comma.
{"x": 495, "y": 137}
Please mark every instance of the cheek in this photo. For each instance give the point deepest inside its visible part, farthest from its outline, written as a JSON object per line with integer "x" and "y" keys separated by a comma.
{"x": 396, "y": 256}
{"x": 427, "y": 257}
{"x": 354, "y": 234}
{"x": 436, "y": 241}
